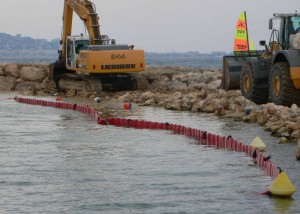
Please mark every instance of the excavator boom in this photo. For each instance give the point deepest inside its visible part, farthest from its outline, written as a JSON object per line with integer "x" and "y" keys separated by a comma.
{"x": 87, "y": 13}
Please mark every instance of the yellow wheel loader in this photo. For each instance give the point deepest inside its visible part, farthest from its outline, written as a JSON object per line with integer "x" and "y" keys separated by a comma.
{"x": 272, "y": 74}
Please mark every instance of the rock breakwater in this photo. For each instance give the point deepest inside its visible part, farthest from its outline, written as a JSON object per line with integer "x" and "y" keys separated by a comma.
{"x": 26, "y": 78}
{"x": 172, "y": 88}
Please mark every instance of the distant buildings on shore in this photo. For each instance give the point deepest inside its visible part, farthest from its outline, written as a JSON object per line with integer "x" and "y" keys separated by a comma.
{"x": 188, "y": 54}
{"x": 20, "y": 49}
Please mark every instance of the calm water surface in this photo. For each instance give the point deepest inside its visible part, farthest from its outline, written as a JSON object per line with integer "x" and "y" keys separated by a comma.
{"x": 60, "y": 161}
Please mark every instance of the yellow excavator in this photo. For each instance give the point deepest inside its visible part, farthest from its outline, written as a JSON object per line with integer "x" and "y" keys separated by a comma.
{"x": 94, "y": 62}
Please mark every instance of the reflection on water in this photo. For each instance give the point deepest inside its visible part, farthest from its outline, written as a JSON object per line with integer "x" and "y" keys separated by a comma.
{"x": 59, "y": 161}
{"x": 283, "y": 205}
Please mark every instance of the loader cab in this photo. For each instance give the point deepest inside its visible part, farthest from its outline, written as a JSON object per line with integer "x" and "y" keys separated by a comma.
{"x": 74, "y": 45}
{"x": 288, "y": 26}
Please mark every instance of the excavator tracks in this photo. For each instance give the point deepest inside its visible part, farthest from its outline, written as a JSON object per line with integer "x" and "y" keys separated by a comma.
{"x": 72, "y": 81}
{"x": 93, "y": 84}
{"x": 139, "y": 82}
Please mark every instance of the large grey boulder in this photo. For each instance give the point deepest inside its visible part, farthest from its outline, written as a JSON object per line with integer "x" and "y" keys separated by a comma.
{"x": 7, "y": 83}
{"x": 146, "y": 96}
{"x": 33, "y": 73}
{"x": 176, "y": 85}
{"x": 124, "y": 98}
{"x": 27, "y": 85}
{"x": 214, "y": 84}
{"x": 12, "y": 70}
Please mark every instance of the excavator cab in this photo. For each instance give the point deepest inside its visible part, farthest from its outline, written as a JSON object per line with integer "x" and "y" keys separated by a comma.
{"x": 74, "y": 46}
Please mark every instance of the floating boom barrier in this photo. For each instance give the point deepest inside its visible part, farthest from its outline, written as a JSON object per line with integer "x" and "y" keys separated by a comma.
{"x": 284, "y": 188}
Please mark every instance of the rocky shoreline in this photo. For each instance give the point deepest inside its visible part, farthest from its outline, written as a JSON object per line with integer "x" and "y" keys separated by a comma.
{"x": 172, "y": 88}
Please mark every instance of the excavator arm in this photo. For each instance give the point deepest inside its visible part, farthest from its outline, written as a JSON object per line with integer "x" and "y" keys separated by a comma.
{"x": 86, "y": 11}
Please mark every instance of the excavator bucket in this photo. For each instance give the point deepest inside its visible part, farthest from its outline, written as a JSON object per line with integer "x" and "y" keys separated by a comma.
{"x": 232, "y": 67}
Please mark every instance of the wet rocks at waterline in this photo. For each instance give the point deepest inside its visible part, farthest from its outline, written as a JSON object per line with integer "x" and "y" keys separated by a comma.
{"x": 173, "y": 88}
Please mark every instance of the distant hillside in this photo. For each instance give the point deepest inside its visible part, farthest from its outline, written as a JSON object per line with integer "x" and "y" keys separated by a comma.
{"x": 21, "y": 49}
{"x": 18, "y": 42}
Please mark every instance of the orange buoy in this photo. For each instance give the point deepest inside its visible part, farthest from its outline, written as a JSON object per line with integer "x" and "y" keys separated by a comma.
{"x": 58, "y": 98}
{"x": 127, "y": 106}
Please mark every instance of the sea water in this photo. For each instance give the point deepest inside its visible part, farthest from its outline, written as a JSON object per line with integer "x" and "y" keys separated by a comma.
{"x": 61, "y": 161}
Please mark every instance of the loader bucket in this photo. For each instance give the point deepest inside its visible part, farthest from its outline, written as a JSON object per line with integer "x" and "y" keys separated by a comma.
{"x": 232, "y": 67}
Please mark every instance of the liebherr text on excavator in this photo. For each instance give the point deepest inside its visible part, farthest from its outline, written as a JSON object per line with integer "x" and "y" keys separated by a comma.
{"x": 94, "y": 62}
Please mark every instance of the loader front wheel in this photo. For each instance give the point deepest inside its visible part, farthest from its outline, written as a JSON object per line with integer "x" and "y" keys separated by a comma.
{"x": 250, "y": 88}
{"x": 281, "y": 88}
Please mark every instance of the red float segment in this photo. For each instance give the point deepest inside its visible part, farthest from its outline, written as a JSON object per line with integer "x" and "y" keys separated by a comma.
{"x": 134, "y": 124}
{"x": 188, "y": 132}
{"x": 161, "y": 126}
{"x": 202, "y": 136}
{"x": 111, "y": 121}
{"x": 170, "y": 127}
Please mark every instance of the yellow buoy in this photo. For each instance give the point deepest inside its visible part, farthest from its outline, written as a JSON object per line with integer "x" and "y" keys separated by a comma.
{"x": 282, "y": 186}
{"x": 258, "y": 144}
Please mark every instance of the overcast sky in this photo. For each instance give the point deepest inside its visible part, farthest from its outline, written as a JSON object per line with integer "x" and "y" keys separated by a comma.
{"x": 152, "y": 25}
